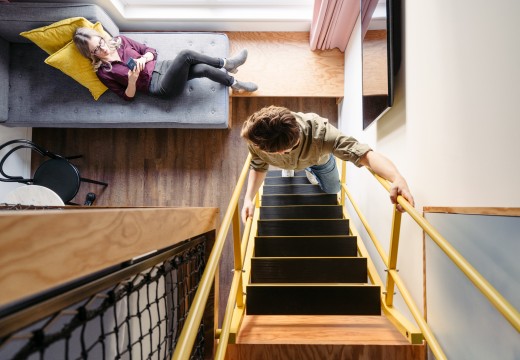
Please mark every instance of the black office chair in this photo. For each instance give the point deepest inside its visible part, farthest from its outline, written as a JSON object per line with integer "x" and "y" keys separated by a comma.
{"x": 57, "y": 173}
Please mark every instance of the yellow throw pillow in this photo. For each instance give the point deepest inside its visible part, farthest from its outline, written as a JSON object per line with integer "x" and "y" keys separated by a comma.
{"x": 53, "y": 37}
{"x": 69, "y": 60}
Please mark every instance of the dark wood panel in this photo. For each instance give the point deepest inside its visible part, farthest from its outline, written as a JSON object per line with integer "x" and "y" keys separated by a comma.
{"x": 309, "y": 270}
{"x": 280, "y": 299}
{"x": 303, "y": 227}
{"x": 169, "y": 167}
{"x": 293, "y": 189}
{"x": 309, "y": 199}
{"x": 301, "y": 212}
{"x": 275, "y": 180}
{"x": 305, "y": 246}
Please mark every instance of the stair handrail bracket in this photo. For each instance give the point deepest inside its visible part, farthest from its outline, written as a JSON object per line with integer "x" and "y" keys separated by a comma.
{"x": 189, "y": 331}
{"x": 390, "y": 261}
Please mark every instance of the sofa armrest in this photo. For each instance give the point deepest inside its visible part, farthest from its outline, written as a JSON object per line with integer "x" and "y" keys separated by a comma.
{"x": 4, "y": 80}
{"x": 20, "y": 16}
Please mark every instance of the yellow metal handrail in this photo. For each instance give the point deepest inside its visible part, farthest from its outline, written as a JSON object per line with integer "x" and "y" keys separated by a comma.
{"x": 500, "y": 303}
{"x": 189, "y": 331}
{"x": 236, "y": 298}
{"x": 236, "y": 295}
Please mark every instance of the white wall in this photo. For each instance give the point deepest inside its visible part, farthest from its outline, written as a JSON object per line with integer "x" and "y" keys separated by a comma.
{"x": 17, "y": 164}
{"x": 453, "y": 131}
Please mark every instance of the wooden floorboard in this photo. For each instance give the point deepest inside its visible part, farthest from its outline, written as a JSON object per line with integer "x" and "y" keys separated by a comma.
{"x": 282, "y": 64}
{"x": 169, "y": 167}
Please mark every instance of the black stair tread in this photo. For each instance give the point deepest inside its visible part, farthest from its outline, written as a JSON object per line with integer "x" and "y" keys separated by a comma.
{"x": 286, "y": 180}
{"x": 313, "y": 299}
{"x": 278, "y": 173}
{"x": 305, "y": 227}
{"x": 309, "y": 270}
{"x": 334, "y": 245}
{"x": 307, "y": 199}
{"x": 301, "y": 212}
{"x": 292, "y": 189}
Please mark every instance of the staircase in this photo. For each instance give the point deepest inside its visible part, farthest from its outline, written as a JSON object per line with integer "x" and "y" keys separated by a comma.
{"x": 307, "y": 281}
{"x": 305, "y": 263}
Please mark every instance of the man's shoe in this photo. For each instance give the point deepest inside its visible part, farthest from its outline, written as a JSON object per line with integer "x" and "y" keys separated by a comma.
{"x": 234, "y": 62}
{"x": 287, "y": 173}
{"x": 312, "y": 179}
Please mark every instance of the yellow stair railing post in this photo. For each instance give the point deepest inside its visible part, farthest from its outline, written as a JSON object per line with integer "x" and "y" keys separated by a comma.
{"x": 343, "y": 181}
{"x": 237, "y": 252}
{"x": 392, "y": 256}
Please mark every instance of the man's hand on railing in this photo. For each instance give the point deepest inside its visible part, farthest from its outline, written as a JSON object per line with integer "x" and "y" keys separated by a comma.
{"x": 384, "y": 168}
{"x": 248, "y": 209}
{"x": 256, "y": 178}
{"x": 400, "y": 187}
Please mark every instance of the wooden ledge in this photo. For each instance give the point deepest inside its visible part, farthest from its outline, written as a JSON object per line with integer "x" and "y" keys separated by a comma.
{"x": 43, "y": 249}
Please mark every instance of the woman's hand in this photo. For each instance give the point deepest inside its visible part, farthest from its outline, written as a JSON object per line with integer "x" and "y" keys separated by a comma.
{"x": 133, "y": 75}
{"x": 131, "y": 88}
{"x": 141, "y": 62}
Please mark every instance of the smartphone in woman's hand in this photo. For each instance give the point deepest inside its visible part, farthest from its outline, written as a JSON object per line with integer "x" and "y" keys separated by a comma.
{"x": 131, "y": 64}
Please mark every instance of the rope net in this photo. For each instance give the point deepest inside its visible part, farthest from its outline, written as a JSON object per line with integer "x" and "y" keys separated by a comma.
{"x": 138, "y": 318}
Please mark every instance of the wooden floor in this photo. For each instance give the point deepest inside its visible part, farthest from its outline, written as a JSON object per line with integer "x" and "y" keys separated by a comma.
{"x": 321, "y": 337}
{"x": 169, "y": 167}
{"x": 282, "y": 65}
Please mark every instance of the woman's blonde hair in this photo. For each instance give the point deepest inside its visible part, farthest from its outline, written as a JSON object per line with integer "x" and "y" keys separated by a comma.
{"x": 82, "y": 35}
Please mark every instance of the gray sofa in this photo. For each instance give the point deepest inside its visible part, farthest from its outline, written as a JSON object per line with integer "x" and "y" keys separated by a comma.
{"x": 34, "y": 94}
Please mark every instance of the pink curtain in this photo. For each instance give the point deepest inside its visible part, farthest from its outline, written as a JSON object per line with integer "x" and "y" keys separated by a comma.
{"x": 367, "y": 10}
{"x": 332, "y": 23}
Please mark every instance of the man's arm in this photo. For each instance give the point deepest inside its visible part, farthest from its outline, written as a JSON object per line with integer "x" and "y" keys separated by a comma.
{"x": 383, "y": 167}
{"x": 255, "y": 180}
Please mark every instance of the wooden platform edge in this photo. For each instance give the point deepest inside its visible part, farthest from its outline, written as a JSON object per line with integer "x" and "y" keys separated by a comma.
{"x": 44, "y": 249}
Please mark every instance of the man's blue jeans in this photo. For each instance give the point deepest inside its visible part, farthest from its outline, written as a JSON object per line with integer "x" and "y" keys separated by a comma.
{"x": 327, "y": 176}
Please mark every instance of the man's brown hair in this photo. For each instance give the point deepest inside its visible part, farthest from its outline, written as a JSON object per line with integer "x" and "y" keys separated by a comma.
{"x": 272, "y": 129}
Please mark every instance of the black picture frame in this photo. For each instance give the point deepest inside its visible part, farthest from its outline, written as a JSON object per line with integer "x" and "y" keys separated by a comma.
{"x": 377, "y": 100}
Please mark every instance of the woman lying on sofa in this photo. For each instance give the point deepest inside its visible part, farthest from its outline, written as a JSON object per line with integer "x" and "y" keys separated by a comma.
{"x": 110, "y": 59}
